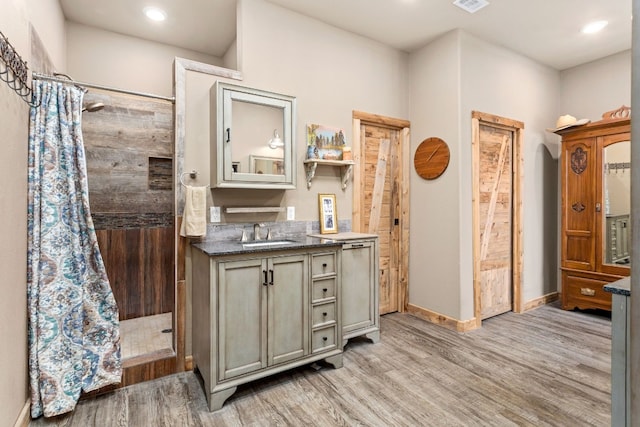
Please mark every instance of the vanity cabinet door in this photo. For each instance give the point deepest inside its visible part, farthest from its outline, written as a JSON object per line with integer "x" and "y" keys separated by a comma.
{"x": 242, "y": 317}
{"x": 288, "y": 300}
{"x": 360, "y": 293}
{"x": 263, "y": 313}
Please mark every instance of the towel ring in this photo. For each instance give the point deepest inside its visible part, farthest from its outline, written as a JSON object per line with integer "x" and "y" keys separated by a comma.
{"x": 193, "y": 174}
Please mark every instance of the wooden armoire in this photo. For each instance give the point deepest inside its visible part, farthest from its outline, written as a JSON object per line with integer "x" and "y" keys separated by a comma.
{"x": 596, "y": 169}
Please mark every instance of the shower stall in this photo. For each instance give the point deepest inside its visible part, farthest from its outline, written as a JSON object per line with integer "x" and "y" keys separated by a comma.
{"x": 128, "y": 140}
{"x": 129, "y": 150}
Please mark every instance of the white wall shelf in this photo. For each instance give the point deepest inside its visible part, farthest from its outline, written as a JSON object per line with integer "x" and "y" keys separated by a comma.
{"x": 345, "y": 169}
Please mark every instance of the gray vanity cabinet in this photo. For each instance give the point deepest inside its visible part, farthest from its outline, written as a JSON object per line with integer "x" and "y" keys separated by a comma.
{"x": 360, "y": 300}
{"x": 263, "y": 313}
{"x": 258, "y": 313}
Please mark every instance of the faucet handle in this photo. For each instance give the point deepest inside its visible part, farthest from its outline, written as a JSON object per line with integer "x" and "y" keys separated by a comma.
{"x": 244, "y": 237}
{"x": 256, "y": 231}
{"x": 269, "y": 236}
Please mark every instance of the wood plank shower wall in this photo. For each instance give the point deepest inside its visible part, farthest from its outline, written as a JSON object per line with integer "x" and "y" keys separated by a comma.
{"x": 129, "y": 149}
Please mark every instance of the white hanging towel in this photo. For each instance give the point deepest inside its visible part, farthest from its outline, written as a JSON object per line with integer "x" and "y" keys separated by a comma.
{"x": 194, "y": 219}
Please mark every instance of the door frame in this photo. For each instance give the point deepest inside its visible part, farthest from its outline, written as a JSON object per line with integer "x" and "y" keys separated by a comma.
{"x": 517, "y": 127}
{"x": 403, "y": 128}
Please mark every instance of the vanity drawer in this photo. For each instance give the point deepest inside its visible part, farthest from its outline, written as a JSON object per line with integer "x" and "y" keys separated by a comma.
{"x": 324, "y": 288}
{"x": 323, "y": 264}
{"x": 323, "y": 339}
{"x": 324, "y": 313}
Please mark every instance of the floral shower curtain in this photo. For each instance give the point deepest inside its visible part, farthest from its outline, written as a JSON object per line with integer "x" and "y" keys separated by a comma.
{"x": 74, "y": 338}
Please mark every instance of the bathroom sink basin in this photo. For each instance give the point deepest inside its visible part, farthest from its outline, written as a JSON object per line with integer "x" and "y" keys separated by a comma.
{"x": 267, "y": 243}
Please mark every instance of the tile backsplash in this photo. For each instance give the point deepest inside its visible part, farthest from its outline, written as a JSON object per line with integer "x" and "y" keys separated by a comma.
{"x": 279, "y": 229}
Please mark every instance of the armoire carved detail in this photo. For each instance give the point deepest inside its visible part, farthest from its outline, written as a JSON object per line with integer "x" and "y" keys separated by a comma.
{"x": 578, "y": 207}
{"x": 578, "y": 160}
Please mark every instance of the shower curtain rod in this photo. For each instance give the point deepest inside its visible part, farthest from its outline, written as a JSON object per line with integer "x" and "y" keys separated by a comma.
{"x": 38, "y": 76}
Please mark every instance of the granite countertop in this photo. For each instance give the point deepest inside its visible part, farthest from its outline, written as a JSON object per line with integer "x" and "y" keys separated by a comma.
{"x": 620, "y": 287}
{"x": 345, "y": 235}
{"x": 233, "y": 247}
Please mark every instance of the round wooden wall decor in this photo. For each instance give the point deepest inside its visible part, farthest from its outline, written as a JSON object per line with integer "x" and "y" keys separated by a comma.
{"x": 431, "y": 158}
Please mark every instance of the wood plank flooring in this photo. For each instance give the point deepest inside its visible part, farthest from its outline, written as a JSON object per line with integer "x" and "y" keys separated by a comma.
{"x": 547, "y": 367}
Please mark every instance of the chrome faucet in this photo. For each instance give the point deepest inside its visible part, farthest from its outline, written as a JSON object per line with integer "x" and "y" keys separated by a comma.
{"x": 256, "y": 232}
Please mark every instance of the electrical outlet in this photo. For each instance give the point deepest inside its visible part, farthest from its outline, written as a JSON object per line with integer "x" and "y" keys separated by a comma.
{"x": 291, "y": 213}
{"x": 215, "y": 213}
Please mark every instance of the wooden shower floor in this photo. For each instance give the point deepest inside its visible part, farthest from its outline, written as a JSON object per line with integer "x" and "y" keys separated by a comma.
{"x": 142, "y": 338}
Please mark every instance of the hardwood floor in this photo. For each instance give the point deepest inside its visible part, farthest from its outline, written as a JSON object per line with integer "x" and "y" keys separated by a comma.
{"x": 547, "y": 367}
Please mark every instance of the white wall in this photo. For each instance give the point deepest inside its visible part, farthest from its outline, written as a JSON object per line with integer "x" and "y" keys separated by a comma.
{"x": 47, "y": 17}
{"x": 230, "y": 58}
{"x": 331, "y": 73}
{"x": 112, "y": 59}
{"x": 591, "y": 89}
{"x": 505, "y": 83}
{"x": 434, "y": 105}
{"x": 450, "y": 78}
{"x": 14, "y": 121}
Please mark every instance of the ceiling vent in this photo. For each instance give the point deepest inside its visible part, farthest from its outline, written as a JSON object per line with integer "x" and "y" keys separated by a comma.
{"x": 471, "y": 6}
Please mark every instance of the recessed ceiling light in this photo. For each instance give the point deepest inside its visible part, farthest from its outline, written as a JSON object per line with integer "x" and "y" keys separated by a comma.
{"x": 155, "y": 14}
{"x": 594, "y": 27}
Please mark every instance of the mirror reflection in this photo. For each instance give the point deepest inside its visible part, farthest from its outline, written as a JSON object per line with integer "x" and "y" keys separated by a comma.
{"x": 257, "y": 129}
{"x": 616, "y": 192}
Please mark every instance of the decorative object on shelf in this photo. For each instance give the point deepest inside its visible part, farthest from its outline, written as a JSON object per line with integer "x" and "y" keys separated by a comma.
{"x": 431, "y": 158}
{"x": 15, "y": 70}
{"x": 328, "y": 213}
{"x": 325, "y": 142}
{"x": 346, "y": 153}
{"x": 312, "y": 152}
{"x": 345, "y": 165}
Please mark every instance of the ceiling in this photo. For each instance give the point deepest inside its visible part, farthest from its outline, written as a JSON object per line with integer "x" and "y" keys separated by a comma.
{"x": 547, "y": 31}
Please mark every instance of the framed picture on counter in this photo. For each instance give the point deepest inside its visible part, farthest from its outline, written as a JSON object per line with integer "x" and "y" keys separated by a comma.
{"x": 328, "y": 213}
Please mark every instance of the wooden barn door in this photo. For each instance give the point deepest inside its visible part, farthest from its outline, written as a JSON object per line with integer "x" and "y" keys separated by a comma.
{"x": 380, "y": 199}
{"x": 494, "y": 219}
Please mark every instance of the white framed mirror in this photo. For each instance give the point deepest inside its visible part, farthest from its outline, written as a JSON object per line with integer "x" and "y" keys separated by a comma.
{"x": 252, "y": 138}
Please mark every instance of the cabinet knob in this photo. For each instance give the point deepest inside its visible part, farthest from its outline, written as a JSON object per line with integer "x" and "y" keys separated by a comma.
{"x": 324, "y": 265}
{"x": 324, "y": 289}
{"x": 324, "y": 338}
{"x": 324, "y": 314}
